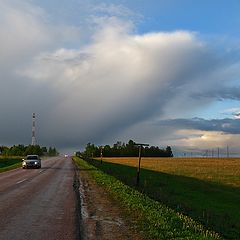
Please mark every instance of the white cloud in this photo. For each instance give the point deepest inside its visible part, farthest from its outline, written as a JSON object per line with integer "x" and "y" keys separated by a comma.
{"x": 117, "y": 80}
{"x": 207, "y": 143}
{"x": 234, "y": 112}
{"x": 22, "y": 31}
{"x": 206, "y": 139}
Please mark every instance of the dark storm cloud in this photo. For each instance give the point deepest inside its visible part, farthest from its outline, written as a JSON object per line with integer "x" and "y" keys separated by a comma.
{"x": 116, "y": 83}
{"x": 232, "y": 93}
{"x": 227, "y": 125}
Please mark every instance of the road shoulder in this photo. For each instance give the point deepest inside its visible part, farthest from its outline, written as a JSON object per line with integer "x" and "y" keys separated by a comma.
{"x": 101, "y": 216}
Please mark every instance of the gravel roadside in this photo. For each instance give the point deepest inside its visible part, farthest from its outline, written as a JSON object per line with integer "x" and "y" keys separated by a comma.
{"x": 101, "y": 217}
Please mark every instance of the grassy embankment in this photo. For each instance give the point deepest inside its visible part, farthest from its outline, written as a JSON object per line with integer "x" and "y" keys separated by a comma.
{"x": 8, "y": 163}
{"x": 206, "y": 189}
{"x": 152, "y": 217}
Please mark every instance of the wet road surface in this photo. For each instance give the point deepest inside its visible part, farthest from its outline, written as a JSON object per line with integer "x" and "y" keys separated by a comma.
{"x": 39, "y": 203}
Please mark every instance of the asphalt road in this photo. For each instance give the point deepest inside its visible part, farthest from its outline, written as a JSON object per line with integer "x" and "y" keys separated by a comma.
{"x": 39, "y": 203}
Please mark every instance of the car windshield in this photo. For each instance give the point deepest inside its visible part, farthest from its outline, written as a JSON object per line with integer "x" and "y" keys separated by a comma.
{"x": 32, "y": 157}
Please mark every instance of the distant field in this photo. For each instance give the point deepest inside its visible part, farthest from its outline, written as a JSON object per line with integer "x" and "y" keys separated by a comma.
{"x": 219, "y": 170}
{"x": 207, "y": 189}
{"x": 9, "y": 163}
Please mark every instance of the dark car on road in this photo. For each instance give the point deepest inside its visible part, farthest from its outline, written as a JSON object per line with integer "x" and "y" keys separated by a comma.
{"x": 31, "y": 161}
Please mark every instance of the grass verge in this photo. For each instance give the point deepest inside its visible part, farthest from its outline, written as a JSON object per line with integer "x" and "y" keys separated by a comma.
{"x": 9, "y": 163}
{"x": 153, "y": 218}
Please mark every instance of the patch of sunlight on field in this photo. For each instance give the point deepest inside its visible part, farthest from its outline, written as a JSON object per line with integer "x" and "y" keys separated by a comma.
{"x": 221, "y": 170}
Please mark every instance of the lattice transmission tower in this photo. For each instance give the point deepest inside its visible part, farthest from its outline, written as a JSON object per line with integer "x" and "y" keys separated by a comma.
{"x": 33, "y": 130}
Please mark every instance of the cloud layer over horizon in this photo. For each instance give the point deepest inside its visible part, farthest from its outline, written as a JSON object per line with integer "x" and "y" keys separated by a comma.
{"x": 114, "y": 86}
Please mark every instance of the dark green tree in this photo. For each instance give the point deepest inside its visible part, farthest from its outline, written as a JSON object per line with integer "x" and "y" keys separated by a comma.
{"x": 4, "y": 150}
{"x": 52, "y": 152}
{"x": 33, "y": 149}
{"x": 91, "y": 151}
{"x": 125, "y": 150}
{"x": 44, "y": 150}
{"x": 169, "y": 151}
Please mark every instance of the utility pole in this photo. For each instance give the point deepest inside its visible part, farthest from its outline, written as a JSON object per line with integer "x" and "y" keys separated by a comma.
{"x": 140, "y": 146}
{"x": 33, "y": 130}
{"x": 207, "y": 153}
{"x": 101, "y": 153}
{"x": 218, "y": 152}
{"x": 227, "y": 152}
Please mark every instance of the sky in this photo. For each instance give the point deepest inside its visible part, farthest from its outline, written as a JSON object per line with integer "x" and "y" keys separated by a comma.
{"x": 154, "y": 71}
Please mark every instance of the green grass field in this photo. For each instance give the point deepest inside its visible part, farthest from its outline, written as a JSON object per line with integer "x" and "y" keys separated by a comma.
{"x": 207, "y": 190}
{"x": 9, "y": 163}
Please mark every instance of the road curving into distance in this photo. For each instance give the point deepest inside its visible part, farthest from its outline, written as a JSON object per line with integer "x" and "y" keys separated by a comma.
{"x": 39, "y": 203}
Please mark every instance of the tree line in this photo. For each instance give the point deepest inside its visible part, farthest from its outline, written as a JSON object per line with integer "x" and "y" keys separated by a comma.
{"x": 22, "y": 150}
{"x": 120, "y": 149}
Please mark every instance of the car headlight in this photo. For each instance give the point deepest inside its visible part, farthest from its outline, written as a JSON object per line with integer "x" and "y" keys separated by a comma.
{"x": 35, "y": 163}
